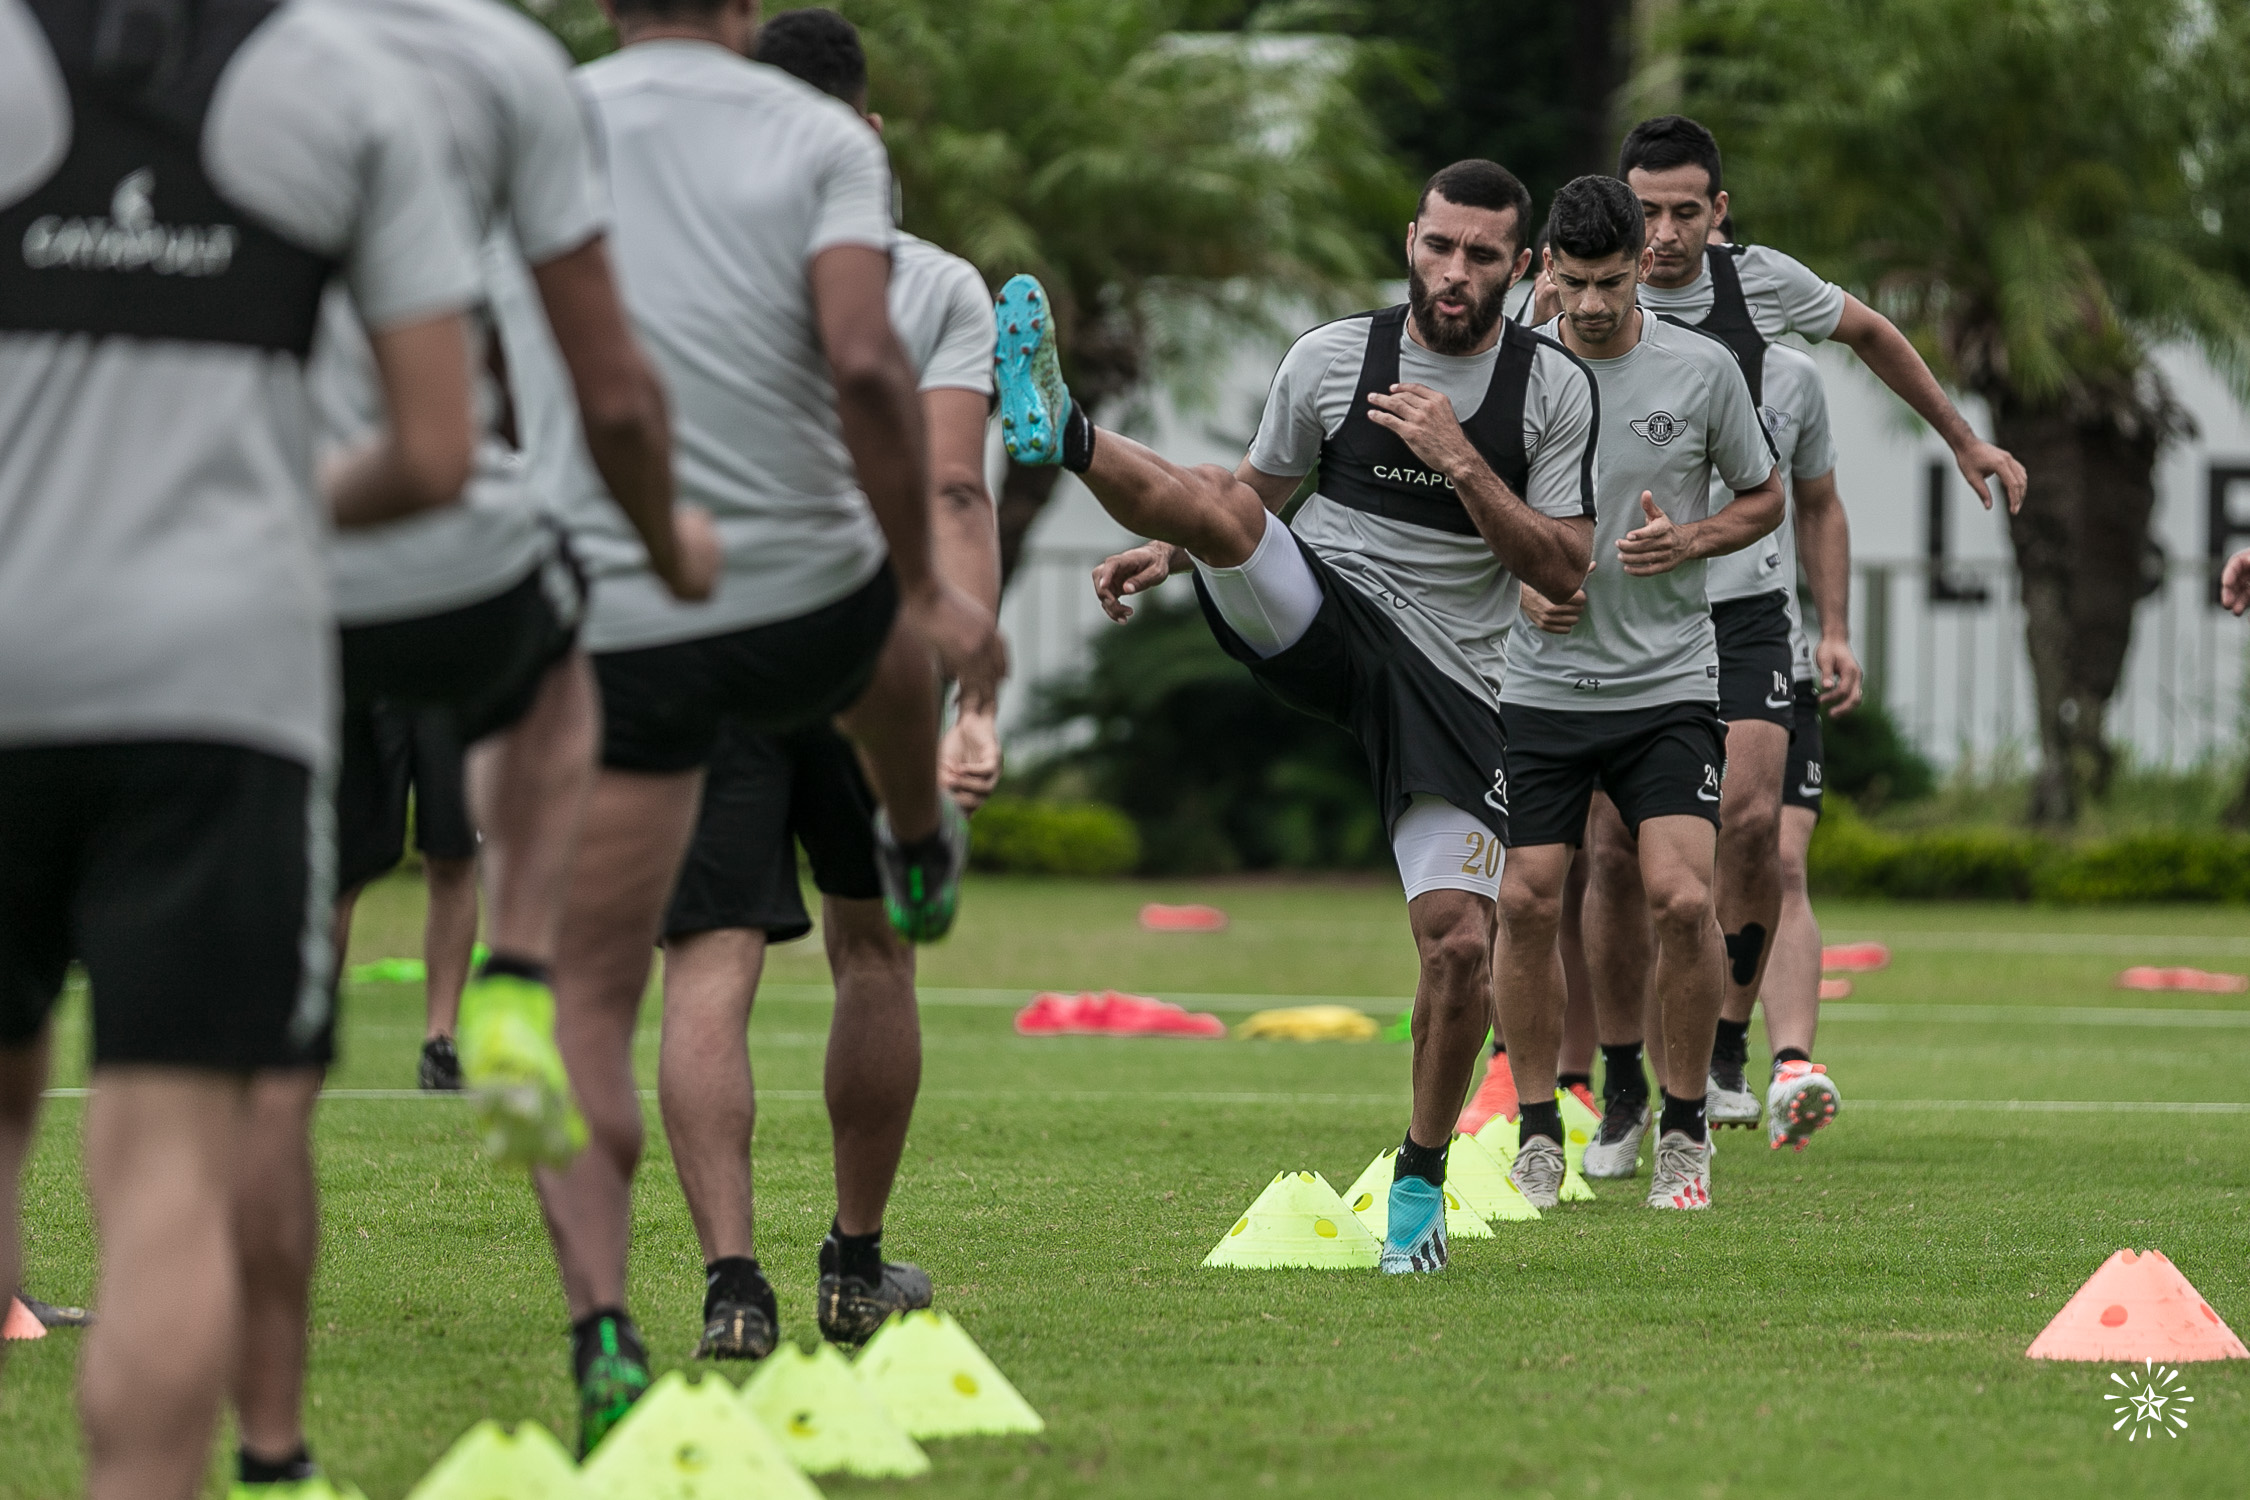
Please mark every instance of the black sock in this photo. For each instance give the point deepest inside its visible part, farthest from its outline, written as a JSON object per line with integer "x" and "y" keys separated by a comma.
{"x": 1564, "y": 1081}
{"x": 1077, "y": 440}
{"x": 1499, "y": 1049}
{"x": 859, "y": 1256}
{"x": 587, "y": 1341}
{"x": 736, "y": 1278}
{"x": 1621, "y": 1071}
{"x": 255, "y": 1470}
{"x": 1683, "y": 1114}
{"x": 1790, "y": 1054}
{"x": 1425, "y": 1162}
{"x": 508, "y": 966}
{"x": 1732, "y": 1043}
{"x": 1540, "y": 1117}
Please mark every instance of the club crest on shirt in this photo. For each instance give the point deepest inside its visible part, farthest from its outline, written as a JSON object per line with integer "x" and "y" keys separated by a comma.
{"x": 1659, "y": 427}
{"x": 1778, "y": 422}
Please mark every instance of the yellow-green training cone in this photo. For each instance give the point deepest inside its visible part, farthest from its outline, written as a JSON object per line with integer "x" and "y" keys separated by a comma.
{"x": 492, "y": 1463}
{"x": 1297, "y": 1221}
{"x": 825, "y": 1420}
{"x": 933, "y": 1381}
{"x": 692, "y": 1442}
{"x": 1369, "y": 1199}
{"x": 1483, "y": 1183}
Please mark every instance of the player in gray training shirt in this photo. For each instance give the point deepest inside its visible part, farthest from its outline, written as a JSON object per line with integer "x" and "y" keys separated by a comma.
{"x": 1619, "y": 685}
{"x": 764, "y": 795}
{"x": 469, "y": 612}
{"x": 1456, "y": 454}
{"x": 753, "y": 238}
{"x": 166, "y": 686}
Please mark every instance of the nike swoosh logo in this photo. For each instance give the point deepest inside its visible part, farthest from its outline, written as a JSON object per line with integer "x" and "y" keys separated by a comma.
{"x": 1808, "y": 791}
{"x": 1772, "y": 702}
{"x": 1704, "y": 796}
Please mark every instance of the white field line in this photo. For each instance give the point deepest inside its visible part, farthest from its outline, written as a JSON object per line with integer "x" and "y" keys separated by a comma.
{"x": 1387, "y": 1101}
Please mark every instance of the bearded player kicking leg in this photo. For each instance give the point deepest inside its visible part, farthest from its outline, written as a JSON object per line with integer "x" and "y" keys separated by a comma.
{"x": 1456, "y": 454}
{"x": 1620, "y": 683}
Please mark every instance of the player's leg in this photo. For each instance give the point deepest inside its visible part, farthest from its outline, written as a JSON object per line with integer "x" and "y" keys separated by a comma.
{"x": 922, "y": 837}
{"x": 1749, "y": 903}
{"x": 277, "y": 1239}
{"x": 1532, "y": 996}
{"x": 1677, "y": 857}
{"x": 1800, "y": 1097}
{"x": 447, "y": 837}
{"x": 23, "y": 1075}
{"x": 736, "y": 895}
{"x": 1580, "y": 1036}
{"x": 1620, "y": 965}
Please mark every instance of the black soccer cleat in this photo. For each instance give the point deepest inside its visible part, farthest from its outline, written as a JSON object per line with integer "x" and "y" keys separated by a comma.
{"x": 851, "y": 1309}
{"x": 441, "y": 1067}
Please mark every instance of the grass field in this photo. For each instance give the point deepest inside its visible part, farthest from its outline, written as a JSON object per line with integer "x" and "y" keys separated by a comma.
{"x": 1846, "y": 1322}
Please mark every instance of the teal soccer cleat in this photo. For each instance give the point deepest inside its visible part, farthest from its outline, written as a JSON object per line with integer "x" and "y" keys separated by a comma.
{"x": 1034, "y": 402}
{"x": 1415, "y": 1240}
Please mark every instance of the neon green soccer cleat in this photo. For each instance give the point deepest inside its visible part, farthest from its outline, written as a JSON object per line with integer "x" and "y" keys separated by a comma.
{"x": 514, "y": 1074}
{"x": 318, "y": 1487}
{"x": 922, "y": 884}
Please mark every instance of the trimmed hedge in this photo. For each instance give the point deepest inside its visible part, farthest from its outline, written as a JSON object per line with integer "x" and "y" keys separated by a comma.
{"x": 1025, "y": 837}
{"x": 1852, "y": 858}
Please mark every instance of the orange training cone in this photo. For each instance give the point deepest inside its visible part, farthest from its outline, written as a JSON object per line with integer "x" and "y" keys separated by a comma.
{"x": 20, "y": 1324}
{"x": 2137, "y": 1307}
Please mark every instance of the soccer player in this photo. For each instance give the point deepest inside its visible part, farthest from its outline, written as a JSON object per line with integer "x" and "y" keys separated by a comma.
{"x": 1456, "y": 455}
{"x": 177, "y": 184}
{"x": 763, "y": 794}
{"x": 474, "y": 611}
{"x": 1747, "y": 296}
{"x": 1620, "y": 684}
{"x": 754, "y": 244}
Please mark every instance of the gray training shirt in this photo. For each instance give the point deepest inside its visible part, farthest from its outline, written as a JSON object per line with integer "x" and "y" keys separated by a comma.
{"x": 1449, "y": 593}
{"x": 1796, "y": 418}
{"x": 729, "y": 178}
{"x": 1784, "y": 296}
{"x": 943, "y": 314}
{"x": 496, "y": 88}
{"x": 161, "y": 572}
{"x": 1675, "y": 411}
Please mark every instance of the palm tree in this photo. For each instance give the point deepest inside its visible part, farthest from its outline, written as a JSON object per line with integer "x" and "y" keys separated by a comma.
{"x": 2034, "y": 190}
{"x": 1170, "y": 189}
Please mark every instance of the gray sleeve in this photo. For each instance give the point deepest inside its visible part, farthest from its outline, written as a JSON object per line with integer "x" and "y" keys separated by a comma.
{"x": 854, "y": 205}
{"x": 1816, "y": 443}
{"x": 962, "y": 359}
{"x": 1741, "y": 453}
{"x": 411, "y": 257}
{"x": 555, "y": 198}
{"x": 1802, "y": 302}
{"x": 1291, "y": 431}
{"x": 1562, "y": 434}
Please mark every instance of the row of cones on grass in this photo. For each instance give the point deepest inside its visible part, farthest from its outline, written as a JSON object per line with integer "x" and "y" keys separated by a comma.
{"x": 920, "y": 1378}
{"x": 1299, "y": 1220}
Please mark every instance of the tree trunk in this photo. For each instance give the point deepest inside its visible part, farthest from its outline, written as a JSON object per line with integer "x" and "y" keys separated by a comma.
{"x": 2079, "y": 543}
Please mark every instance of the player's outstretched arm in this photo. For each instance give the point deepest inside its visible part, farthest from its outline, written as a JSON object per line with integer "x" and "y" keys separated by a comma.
{"x": 1550, "y": 553}
{"x": 421, "y": 459}
{"x": 881, "y": 414}
{"x": 1896, "y": 362}
{"x": 1824, "y": 548}
{"x": 621, "y": 407}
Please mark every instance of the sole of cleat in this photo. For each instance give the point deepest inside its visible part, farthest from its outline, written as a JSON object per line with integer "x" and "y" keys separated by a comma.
{"x": 1033, "y": 399}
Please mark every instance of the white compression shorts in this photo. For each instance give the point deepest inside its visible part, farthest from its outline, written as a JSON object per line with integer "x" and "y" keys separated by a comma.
{"x": 1441, "y": 848}
{"x": 1270, "y": 601}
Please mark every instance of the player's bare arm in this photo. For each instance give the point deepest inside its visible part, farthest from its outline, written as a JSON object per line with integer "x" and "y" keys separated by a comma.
{"x": 965, "y": 534}
{"x": 881, "y": 415}
{"x": 621, "y": 407}
{"x": 1824, "y": 552}
{"x": 1548, "y": 552}
{"x": 1662, "y": 544}
{"x": 1896, "y": 362}
{"x": 421, "y": 460}
{"x": 1556, "y": 617}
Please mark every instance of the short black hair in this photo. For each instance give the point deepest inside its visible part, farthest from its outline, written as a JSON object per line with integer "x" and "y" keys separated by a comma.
{"x": 667, "y": 10}
{"x": 1670, "y": 141}
{"x": 1477, "y": 183}
{"x": 820, "y": 47}
{"x": 1594, "y": 218}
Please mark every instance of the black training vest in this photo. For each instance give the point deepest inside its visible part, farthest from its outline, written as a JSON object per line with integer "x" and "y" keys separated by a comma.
{"x": 1729, "y": 319}
{"x": 1369, "y": 467}
{"x": 130, "y": 237}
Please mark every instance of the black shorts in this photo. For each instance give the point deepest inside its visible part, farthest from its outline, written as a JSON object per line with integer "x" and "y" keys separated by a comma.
{"x": 1656, "y": 762}
{"x": 189, "y": 880}
{"x": 394, "y": 757}
{"x": 483, "y": 662}
{"x": 1802, "y": 788}
{"x": 762, "y": 796}
{"x": 1755, "y": 660}
{"x": 1420, "y": 730}
{"x": 662, "y": 706}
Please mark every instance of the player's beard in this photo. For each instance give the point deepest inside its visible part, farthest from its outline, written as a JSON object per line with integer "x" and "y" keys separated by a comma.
{"x": 1452, "y": 335}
